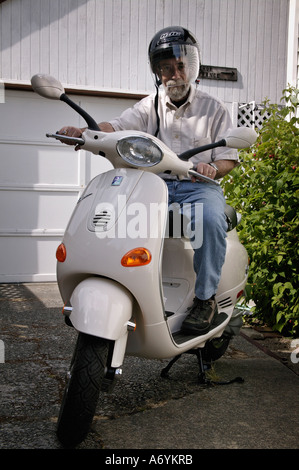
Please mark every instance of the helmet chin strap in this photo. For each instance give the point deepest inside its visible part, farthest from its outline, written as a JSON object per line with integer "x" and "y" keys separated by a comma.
{"x": 158, "y": 83}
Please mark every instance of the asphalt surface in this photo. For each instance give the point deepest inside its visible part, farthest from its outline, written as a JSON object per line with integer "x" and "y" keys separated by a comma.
{"x": 144, "y": 411}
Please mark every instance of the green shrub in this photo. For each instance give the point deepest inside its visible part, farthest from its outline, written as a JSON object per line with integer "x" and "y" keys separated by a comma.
{"x": 264, "y": 189}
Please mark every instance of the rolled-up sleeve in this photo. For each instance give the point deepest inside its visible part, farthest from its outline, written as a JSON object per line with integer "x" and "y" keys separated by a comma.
{"x": 137, "y": 117}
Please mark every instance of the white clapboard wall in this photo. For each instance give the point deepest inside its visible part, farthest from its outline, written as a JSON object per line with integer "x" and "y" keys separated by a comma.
{"x": 103, "y": 44}
{"x": 100, "y": 47}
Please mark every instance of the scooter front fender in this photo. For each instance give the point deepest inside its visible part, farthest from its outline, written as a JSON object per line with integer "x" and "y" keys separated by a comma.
{"x": 101, "y": 307}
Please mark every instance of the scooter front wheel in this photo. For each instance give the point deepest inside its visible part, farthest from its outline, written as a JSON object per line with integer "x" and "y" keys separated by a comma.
{"x": 81, "y": 394}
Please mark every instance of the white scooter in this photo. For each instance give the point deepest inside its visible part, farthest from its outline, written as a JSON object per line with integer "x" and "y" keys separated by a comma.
{"x": 125, "y": 280}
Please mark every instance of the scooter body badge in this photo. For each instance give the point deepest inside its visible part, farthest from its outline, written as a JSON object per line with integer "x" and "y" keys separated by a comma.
{"x": 117, "y": 180}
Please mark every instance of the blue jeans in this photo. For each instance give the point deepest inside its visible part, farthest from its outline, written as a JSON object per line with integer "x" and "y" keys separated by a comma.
{"x": 209, "y": 257}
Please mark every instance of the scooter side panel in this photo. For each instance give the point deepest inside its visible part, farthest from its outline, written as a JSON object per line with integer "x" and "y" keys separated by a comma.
{"x": 99, "y": 252}
{"x": 234, "y": 271}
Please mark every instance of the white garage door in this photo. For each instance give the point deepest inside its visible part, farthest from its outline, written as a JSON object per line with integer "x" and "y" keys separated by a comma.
{"x": 41, "y": 179}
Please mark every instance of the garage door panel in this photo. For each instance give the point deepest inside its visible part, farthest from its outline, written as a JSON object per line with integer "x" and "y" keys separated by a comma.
{"x": 29, "y": 210}
{"x": 41, "y": 179}
{"x": 37, "y": 115}
{"x": 28, "y": 258}
{"x": 45, "y": 164}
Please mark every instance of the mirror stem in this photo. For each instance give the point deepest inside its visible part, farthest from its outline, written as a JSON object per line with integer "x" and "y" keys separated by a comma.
{"x": 89, "y": 120}
{"x": 190, "y": 153}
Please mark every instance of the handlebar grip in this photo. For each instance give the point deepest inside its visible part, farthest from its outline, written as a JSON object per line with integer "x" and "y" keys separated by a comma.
{"x": 75, "y": 140}
{"x": 202, "y": 177}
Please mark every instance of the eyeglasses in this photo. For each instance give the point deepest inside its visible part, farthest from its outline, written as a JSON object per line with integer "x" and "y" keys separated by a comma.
{"x": 169, "y": 70}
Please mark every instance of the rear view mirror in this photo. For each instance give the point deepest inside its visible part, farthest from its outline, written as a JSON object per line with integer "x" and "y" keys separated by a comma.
{"x": 240, "y": 138}
{"x": 47, "y": 86}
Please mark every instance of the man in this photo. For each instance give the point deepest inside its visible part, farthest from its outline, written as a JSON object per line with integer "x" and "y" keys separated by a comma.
{"x": 183, "y": 117}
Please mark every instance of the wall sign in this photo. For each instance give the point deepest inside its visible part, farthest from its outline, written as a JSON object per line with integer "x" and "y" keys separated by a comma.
{"x": 213, "y": 72}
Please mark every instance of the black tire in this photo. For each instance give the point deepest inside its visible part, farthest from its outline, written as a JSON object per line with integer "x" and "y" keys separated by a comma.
{"x": 82, "y": 390}
{"x": 215, "y": 348}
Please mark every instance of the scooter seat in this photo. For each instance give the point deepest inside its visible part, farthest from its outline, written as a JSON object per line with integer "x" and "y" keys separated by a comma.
{"x": 229, "y": 211}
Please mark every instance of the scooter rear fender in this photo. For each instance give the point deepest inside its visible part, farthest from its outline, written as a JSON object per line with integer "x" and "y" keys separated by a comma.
{"x": 101, "y": 307}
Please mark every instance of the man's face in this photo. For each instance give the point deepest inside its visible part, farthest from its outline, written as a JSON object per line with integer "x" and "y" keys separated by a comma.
{"x": 173, "y": 75}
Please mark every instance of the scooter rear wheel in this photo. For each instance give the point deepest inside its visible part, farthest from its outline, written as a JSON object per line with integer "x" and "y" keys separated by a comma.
{"x": 82, "y": 390}
{"x": 215, "y": 348}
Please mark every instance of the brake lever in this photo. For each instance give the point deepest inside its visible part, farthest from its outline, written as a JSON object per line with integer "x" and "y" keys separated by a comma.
{"x": 75, "y": 140}
{"x": 202, "y": 177}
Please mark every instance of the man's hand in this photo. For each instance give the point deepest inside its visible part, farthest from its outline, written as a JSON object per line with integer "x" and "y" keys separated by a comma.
{"x": 224, "y": 167}
{"x": 206, "y": 170}
{"x": 70, "y": 131}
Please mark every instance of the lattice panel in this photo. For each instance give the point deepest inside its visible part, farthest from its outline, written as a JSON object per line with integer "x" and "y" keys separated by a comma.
{"x": 251, "y": 115}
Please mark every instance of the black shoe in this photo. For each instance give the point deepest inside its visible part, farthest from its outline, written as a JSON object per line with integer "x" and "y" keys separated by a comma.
{"x": 200, "y": 317}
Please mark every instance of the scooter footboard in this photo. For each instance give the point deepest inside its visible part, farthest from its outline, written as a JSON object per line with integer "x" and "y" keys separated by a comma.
{"x": 101, "y": 307}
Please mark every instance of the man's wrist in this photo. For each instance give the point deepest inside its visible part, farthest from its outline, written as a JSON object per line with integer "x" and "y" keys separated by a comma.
{"x": 214, "y": 166}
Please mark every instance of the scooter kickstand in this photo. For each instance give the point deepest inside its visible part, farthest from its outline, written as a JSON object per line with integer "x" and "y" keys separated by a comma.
{"x": 164, "y": 372}
{"x": 202, "y": 378}
{"x": 202, "y": 375}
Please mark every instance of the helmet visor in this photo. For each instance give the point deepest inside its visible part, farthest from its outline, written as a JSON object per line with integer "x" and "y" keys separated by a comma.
{"x": 178, "y": 59}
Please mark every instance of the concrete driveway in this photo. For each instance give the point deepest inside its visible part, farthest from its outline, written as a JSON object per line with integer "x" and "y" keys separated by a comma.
{"x": 144, "y": 411}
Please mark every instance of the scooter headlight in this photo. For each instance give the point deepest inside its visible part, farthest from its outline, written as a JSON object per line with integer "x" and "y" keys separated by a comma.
{"x": 139, "y": 151}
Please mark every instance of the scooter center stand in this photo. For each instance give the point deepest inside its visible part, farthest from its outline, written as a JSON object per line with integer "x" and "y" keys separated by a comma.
{"x": 203, "y": 366}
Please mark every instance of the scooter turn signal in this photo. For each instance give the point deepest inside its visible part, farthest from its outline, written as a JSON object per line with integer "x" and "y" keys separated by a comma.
{"x": 61, "y": 253}
{"x": 136, "y": 257}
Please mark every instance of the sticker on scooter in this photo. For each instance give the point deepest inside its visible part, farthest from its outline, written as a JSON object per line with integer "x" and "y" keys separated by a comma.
{"x": 117, "y": 181}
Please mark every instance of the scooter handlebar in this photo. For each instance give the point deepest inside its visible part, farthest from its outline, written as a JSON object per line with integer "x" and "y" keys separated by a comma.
{"x": 80, "y": 141}
{"x": 73, "y": 140}
{"x": 202, "y": 177}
